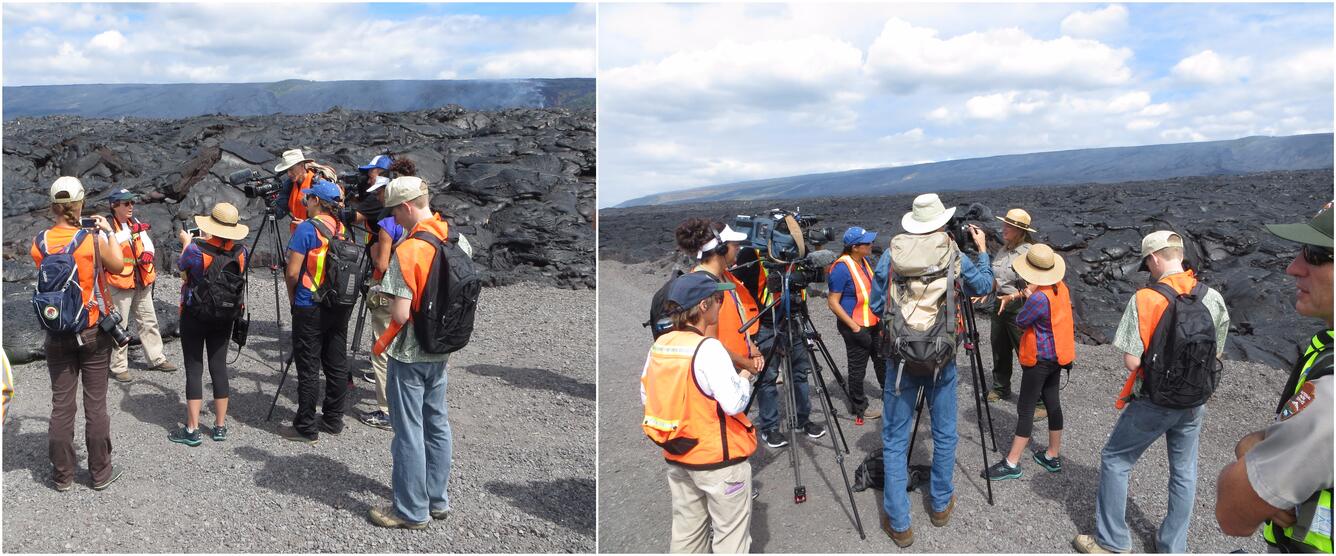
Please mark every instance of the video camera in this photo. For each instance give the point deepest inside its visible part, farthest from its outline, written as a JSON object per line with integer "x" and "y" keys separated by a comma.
{"x": 785, "y": 238}
{"x": 253, "y": 184}
{"x": 958, "y": 226}
{"x": 354, "y": 182}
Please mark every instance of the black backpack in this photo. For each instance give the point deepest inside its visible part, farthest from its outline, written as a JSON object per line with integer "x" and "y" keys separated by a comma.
{"x": 58, "y": 299}
{"x": 659, "y": 323}
{"x": 443, "y": 320}
{"x": 220, "y": 297}
{"x": 871, "y": 474}
{"x": 344, "y": 260}
{"x": 1181, "y": 369}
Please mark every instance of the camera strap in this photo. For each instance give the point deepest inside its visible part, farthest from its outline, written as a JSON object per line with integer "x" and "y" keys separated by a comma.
{"x": 97, "y": 275}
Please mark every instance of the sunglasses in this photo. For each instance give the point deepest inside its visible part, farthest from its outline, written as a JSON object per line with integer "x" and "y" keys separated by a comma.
{"x": 123, "y": 204}
{"x": 1316, "y": 256}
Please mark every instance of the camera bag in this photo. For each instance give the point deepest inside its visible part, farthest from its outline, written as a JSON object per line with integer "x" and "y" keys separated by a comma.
{"x": 921, "y": 303}
{"x": 220, "y": 297}
{"x": 58, "y": 299}
{"x": 344, "y": 259}
{"x": 443, "y": 320}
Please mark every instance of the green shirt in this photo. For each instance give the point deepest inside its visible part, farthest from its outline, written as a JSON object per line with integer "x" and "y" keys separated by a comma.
{"x": 405, "y": 346}
{"x": 1128, "y": 338}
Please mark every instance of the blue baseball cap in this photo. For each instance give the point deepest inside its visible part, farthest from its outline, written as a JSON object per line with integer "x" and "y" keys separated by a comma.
{"x": 381, "y": 161}
{"x": 325, "y": 190}
{"x": 121, "y": 195}
{"x": 689, "y": 289}
{"x": 856, "y": 236}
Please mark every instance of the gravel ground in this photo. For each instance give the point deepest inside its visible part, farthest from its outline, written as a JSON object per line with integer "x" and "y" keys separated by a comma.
{"x": 1040, "y": 512}
{"x": 521, "y": 410}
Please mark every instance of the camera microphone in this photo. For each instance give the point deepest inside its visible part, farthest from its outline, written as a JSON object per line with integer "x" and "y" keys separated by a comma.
{"x": 242, "y": 176}
{"x": 821, "y": 258}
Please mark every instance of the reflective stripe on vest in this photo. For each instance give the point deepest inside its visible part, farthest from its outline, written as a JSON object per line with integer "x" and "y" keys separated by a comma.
{"x": 862, "y": 277}
{"x": 1317, "y": 537}
{"x": 690, "y": 426}
{"x": 1321, "y": 341}
{"x": 1060, "y": 321}
{"x": 740, "y": 309}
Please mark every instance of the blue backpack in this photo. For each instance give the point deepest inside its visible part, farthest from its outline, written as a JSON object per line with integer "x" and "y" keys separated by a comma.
{"x": 59, "y": 296}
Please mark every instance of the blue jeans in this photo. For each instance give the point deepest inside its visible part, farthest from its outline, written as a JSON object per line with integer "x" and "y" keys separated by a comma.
{"x": 422, "y": 445}
{"x": 1137, "y": 428}
{"x": 898, "y": 420}
{"x": 767, "y": 393}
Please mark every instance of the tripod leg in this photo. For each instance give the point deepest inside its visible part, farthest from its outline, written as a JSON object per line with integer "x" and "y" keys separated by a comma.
{"x": 829, "y": 409}
{"x": 979, "y": 404}
{"x": 287, "y": 365}
{"x": 831, "y": 415}
{"x": 988, "y": 411}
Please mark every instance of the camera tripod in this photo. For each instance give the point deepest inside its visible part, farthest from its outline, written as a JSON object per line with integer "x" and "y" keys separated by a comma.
{"x": 270, "y": 225}
{"x": 981, "y": 408}
{"x": 795, "y": 320}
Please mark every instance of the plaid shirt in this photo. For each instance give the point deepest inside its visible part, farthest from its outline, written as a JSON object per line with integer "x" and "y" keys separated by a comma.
{"x": 1035, "y": 313}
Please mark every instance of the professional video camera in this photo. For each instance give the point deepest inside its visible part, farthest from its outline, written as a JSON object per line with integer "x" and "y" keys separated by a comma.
{"x": 354, "y": 182}
{"x": 958, "y": 226}
{"x": 254, "y": 185}
{"x": 784, "y": 238}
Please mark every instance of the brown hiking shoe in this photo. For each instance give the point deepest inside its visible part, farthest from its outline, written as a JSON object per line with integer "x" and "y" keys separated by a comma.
{"x": 872, "y": 412}
{"x": 387, "y": 517}
{"x": 940, "y": 519}
{"x": 1086, "y": 544}
{"x": 1040, "y": 413}
{"x": 901, "y": 539}
{"x": 164, "y": 366}
{"x": 122, "y": 376}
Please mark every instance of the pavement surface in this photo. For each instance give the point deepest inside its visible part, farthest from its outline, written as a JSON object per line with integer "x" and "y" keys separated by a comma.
{"x": 521, "y": 399}
{"x": 1040, "y": 512}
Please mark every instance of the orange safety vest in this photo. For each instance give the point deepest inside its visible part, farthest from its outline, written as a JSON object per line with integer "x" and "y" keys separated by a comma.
{"x": 691, "y": 427}
{"x": 415, "y": 257}
{"x": 1150, "y": 307}
{"x": 1060, "y": 320}
{"x": 56, "y": 238}
{"x": 862, "y": 277}
{"x": 130, "y": 252}
{"x": 742, "y": 307}
{"x": 295, "y": 206}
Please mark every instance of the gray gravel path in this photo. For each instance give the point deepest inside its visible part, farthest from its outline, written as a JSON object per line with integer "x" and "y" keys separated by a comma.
{"x": 521, "y": 399}
{"x": 1040, "y": 512}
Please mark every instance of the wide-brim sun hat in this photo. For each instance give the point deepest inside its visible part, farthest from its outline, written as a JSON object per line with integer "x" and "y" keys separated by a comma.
{"x": 1040, "y": 266}
{"x": 1017, "y": 218}
{"x": 223, "y": 221}
{"x": 291, "y": 158}
{"x": 927, "y": 215}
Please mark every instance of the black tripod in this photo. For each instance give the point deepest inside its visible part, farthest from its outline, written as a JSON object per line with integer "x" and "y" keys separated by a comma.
{"x": 918, "y": 474}
{"x": 795, "y": 317}
{"x": 270, "y": 224}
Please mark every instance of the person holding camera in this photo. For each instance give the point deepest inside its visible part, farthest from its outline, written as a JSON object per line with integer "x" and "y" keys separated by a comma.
{"x": 850, "y": 284}
{"x": 695, "y": 409}
{"x": 131, "y": 291}
{"x": 715, "y": 248}
{"x": 319, "y": 331}
{"x": 213, "y": 270}
{"x": 388, "y": 234}
{"x": 300, "y": 173}
{"x": 71, "y": 254}
{"x": 1004, "y": 335}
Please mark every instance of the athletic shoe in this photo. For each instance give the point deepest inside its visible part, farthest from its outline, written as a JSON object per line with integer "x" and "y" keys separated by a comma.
{"x": 290, "y": 433}
{"x": 387, "y": 517}
{"x": 1040, "y": 413}
{"x": 63, "y": 487}
{"x": 1053, "y": 465}
{"x": 872, "y": 412}
{"x": 773, "y": 439}
{"x": 440, "y": 514}
{"x": 163, "y": 366}
{"x": 1086, "y": 544}
{"x": 814, "y": 430}
{"x": 369, "y": 377}
{"x": 122, "y": 376}
{"x": 378, "y": 419}
{"x": 186, "y": 436}
{"x": 115, "y": 474}
{"x": 1001, "y": 471}
{"x": 219, "y": 433}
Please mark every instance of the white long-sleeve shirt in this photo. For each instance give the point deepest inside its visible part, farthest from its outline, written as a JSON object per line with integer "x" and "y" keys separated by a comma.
{"x": 716, "y": 376}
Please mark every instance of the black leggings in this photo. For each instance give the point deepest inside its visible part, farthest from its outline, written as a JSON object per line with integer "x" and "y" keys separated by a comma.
{"x": 1039, "y": 381}
{"x": 195, "y": 337}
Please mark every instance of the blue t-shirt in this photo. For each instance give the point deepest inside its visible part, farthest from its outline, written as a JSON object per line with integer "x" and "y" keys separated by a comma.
{"x": 304, "y": 239}
{"x": 391, "y": 227}
{"x": 840, "y": 281}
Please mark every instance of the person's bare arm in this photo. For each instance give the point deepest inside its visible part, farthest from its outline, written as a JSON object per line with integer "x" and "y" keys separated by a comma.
{"x": 380, "y": 251}
{"x": 109, "y": 247}
{"x": 293, "y": 273}
{"x": 833, "y": 301}
{"x": 401, "y": 309}
{"x": 1132, "y": 362}
{"x": 1238, "y": 508}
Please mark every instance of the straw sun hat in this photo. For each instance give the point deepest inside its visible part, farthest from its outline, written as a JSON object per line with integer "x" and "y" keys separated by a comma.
{"x": 1040, "y": 266}
{"x": 224, "y": 222}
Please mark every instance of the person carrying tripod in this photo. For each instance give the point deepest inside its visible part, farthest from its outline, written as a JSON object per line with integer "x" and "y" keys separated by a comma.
{"x": 850, "y": 283}
{"x": 131, "y": 288}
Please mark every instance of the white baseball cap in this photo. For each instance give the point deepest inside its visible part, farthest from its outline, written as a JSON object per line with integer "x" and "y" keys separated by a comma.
{"x": 67, "y": 189}
{"x": 381, "y": 181}
{"x": 403, "y": 189}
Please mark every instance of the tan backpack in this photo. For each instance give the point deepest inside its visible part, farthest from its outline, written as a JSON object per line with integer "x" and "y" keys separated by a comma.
{"x": 921, "y": 303}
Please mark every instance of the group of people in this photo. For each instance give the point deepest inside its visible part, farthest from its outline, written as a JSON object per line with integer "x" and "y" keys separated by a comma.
{"x": 698, "y": 378}
{"x": 108, "y": 266}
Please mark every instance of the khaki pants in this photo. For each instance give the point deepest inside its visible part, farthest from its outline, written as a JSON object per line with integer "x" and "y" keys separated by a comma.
{"x": 378, "y": 304}
{"x": 137, "y": 306}
{"x": 719, "y": 498}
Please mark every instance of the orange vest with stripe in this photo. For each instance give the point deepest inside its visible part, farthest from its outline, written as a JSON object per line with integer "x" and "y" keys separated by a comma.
{"x": 1060, "y": 320}
{"x": 1150, "y": 307}
{"x": 315, "y": 258}
{"x": 415, "y": 257}
{"x": 130, "y": 252}
{"x": 691, "y": 427}
{"x": 739, "y": 307}
{"x": 57, "y": 237}
{"x": 861, "y": 274}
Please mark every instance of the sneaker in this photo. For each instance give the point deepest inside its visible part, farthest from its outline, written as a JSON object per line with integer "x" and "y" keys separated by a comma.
{"x": 387, "y": 517}
{"x": 1040, "y": 413}
{"x": 773, "y": 439}
{"x": 63, "y": 487}
{"x": 872, "y": 412}
{"x": 369, "y": 377}
{"x": 940, "y": 519}
{"x": 440, "y": 514}
{"x": 1086, "y": 544}
{"x": 115, "y": 474}
{"x": 1053, "y": 465}
{"x": 219, "y": 433}
{"x": 378, "y": 419}
{"x": 814, "y": 430}
{"x": 164, "y": 366}
{"x": 123, "y": 376}
{"x": 186, "y": 436}
{"x": 290, "y": 433}
{"x": 1002, "y": 471}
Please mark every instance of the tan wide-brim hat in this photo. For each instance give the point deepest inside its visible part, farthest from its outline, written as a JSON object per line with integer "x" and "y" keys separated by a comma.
{"x": 223, "y": 221}
{"x": 1040, "y": 266}
{"x": 1017, "y": 218}
{"x": 927, "y": 215}
{"x": 290, "y": 159}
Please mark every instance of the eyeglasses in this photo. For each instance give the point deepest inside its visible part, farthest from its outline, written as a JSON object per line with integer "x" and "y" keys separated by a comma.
{"x": 1316, "y": 256}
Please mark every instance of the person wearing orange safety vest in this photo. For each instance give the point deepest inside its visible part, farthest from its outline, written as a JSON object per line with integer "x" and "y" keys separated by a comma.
{"x": 850, "y": 282}
{"x": 1142, "y": 421}
{"x": 130, "y": 289}
{"x": 715, "y": 248}
{"x": 1047, "y": 347}
{"x": 695, "y": 409}
{"x": 298, "y": 177}
{"x": 1282, "y": 477}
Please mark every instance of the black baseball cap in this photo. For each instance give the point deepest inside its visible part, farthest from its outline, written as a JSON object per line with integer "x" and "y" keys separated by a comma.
{"x": 689, "y": 289}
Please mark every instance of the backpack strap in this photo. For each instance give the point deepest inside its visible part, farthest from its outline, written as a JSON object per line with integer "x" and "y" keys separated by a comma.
{"x": 321, "y": 228}
{"x": 1169, "y": 293}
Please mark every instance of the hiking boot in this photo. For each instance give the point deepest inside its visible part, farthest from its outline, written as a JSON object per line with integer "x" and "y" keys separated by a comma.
{"x": 387, "y": 517}
{"x": 1052, "y": 465}
{"x": 1002, "y": 471}
{"x": 219, "y": 433}
{"x": 814, "y": 430}
{"x": 940, "y": 519}
{"x": 1040, "y": 413}
{"x": 63, "y": 487}
{"x": 115, "y": 474}
{"x": 872, "y": 412}
{"x": 901, "y": 539}
{"x": 164, "y": 366}
{"x": 998, "y": 395}
{"x": 290, "y": 433}
{"x": 123, "y": 376}
{"x": 773, "y": 439}
{"x": 440, "y": 514}
{"x": 378, "y": 419}
{"x": 1086, "y": 544}
{"x": 186, "y": 436}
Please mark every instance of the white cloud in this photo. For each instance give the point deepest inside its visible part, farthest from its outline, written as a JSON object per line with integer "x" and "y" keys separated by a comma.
{"x": 111, "y": 40}
{"x": 939, "y": 114}
{"x": 1096, "y": 23}
{"x": 906, "y": 57}
{"x": 1210, "y": 68}
{"x": 554, "y": 62}
{"x": 1000, "y": 106}
{"x": 1311, "y": 67}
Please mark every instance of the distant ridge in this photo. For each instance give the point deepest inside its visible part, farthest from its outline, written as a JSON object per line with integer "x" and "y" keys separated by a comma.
{"x": 183, "y": 100}
{"x": 1103, "y": 165}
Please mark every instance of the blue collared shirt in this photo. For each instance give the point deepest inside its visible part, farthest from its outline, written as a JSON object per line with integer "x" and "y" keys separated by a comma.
{"x": 976, "y": 275}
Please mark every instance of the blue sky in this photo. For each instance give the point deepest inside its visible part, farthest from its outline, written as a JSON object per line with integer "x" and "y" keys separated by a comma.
{"x": 703, "y": 94}
{"x": 54, "y": 44}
